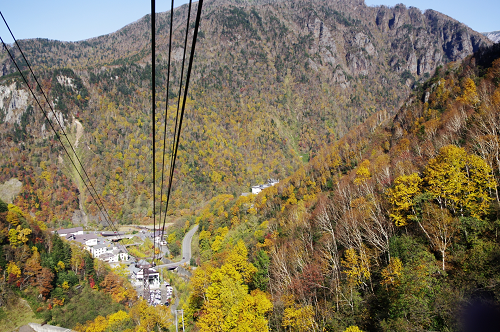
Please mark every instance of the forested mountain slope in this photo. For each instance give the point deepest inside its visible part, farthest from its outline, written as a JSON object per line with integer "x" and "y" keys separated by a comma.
{"x": 63, "y": 284}
{"x": 392, "y": 228}
{"x": 274, "y": 82}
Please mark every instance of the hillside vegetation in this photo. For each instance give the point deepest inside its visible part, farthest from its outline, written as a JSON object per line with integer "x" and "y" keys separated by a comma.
{"x": 274, "y": 82}
{"x": 394, "y": 227}
{"x": 62, "y": 284}
{"x": 380, "y": 123}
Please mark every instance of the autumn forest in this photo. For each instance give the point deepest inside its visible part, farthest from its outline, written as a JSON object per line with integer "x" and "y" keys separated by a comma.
{"x": 386, "y": 214}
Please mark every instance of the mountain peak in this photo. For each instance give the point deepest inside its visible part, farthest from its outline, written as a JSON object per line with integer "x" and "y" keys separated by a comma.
{"x": 494, "y": 36}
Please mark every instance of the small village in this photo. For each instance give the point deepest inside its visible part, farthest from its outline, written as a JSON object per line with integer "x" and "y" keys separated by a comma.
{"x": 105, "y": 246}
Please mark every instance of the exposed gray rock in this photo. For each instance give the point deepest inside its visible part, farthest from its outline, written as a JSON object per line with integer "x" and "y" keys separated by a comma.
{"x": 494, "y": 36}
{"x": 10, "y": 189}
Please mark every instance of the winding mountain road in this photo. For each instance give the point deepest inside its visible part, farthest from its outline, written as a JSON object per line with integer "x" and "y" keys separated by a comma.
{"x": 186, "y": 250}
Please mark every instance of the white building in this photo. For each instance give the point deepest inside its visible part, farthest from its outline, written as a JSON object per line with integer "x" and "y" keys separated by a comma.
{"x": 87, "y": 240}
{"x": 98, "y": 250}
{"x": 154, "y": 278}
{"x": 106, "y": 257}
{"x": 70, "y": 231}
{"x": 114, "y": 255}
{"x": 258, "y": 188}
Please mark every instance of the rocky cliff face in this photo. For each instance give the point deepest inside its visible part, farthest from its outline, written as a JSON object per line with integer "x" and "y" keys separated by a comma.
{"x": 494, "y": 36}
{"x": 343, "y": 32}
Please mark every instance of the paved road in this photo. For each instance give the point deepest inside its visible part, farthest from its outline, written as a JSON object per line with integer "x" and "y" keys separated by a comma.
{"x": 186, "y": 250}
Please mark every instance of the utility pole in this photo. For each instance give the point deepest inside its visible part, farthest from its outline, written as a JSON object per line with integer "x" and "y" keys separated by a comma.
{"x": 177, "y": 321}
{"x": 182, "y": 320}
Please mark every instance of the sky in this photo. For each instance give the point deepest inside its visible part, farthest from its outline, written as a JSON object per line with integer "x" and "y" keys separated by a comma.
{"x": 70, "y": 20}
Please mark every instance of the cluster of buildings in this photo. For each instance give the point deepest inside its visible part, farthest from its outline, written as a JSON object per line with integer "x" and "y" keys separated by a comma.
{"x": 101, "y": 246}
{"x": 258, "y": 188}
{"x": 137, "y": 275}
{"x": 98, "y": 246}
{"x": 155, "y": 295}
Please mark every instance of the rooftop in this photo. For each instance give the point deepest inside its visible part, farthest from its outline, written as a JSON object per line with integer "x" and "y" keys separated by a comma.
{"x": 69, "y": 230}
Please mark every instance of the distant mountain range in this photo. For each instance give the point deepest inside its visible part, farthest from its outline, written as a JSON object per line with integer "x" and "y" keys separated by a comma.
{"x": 273, "y": 83}
{"x": 494, "y": 36}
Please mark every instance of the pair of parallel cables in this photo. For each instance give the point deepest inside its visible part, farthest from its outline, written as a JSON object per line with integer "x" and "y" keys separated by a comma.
{"x": 88, "y": 183}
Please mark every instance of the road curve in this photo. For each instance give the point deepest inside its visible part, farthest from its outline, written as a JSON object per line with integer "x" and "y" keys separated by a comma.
{"x": 186, "y": 250}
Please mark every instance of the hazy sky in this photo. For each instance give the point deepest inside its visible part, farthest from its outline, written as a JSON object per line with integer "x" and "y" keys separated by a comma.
{"x": 72, "y": 20}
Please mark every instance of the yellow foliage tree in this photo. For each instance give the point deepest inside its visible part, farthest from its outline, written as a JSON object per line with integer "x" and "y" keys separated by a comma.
{"x": 204, "y": 235}
{"x": 219, "y": 239}
{"x": 171, "y": 238}
{"x": 469, "y": 95}
{"x": 459, "y": 181}
{"x": 391, "y": 274}
{"x": 238, "y": 258}
{"x": 22, "y": 234}
{"x": 113, "y": 322}
{"x": 12, "y": 218}
{"x": 13, "y": 240}
{"x": 60, "y": 266}
{"x": 406, "y": 187}
{"x": 353, "y": 328}
{"x": 229, "y": 307}
{"x": 356, "y": 268}
{"x": 118, "y": 317}
{"x": 299, "y": 318}
{"x": 77, "y": 257}
{"x": 13, "y": 269}
{"x": 222, "y": 298}
{"x": 155, "y": 316}
{"x": 363, "y": 172}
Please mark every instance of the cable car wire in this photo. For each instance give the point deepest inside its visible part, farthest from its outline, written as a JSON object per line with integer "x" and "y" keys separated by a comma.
{"x": 170, "y": 178}
{"x": 190, "y": 66}
{"x": 153, "y": 92}
{"x": 166, "y": 107}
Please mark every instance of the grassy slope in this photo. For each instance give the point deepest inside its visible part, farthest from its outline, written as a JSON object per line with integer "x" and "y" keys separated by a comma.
{"x": 15, "y": 316}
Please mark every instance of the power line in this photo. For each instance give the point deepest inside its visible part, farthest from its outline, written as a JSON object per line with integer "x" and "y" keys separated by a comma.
{"x": 195, "y": 37}
{"x": 166, "y": 107}
{"x": 153, "y": 88}
{"x": 99, "y": 204}
{"x": 176, "y": 116}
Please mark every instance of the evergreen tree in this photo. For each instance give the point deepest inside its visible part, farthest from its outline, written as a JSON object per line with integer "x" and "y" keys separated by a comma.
{"x": 89, "y": 265}
{"x": 3, "y": 206}
{"x": 261, "y": 277}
